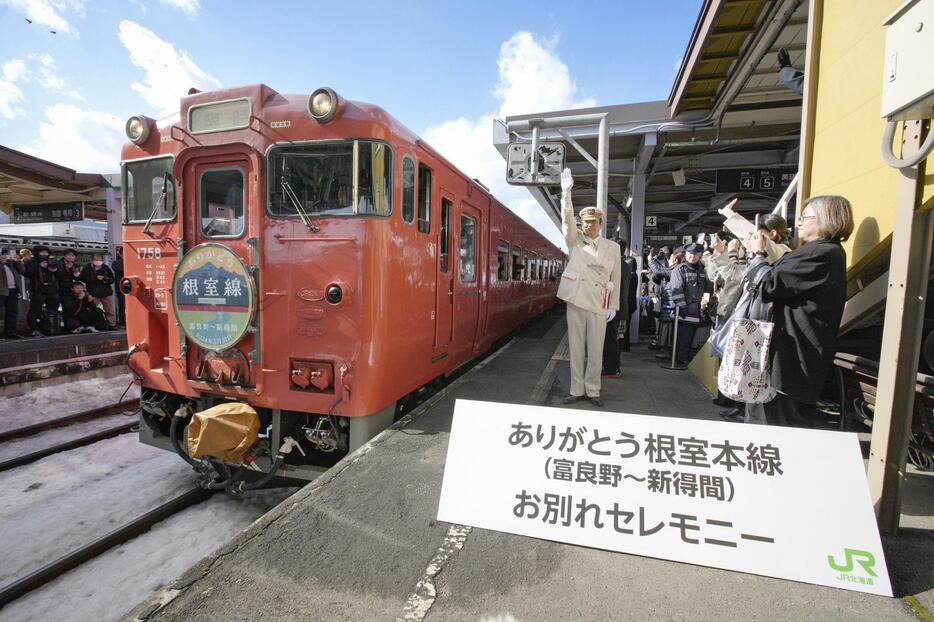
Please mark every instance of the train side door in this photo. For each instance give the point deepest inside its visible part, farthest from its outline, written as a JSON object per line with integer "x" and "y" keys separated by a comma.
{"x": 467, "y": 278}
{"x": 444, "y": 300}
{"x": 483, "y": 277}
{"x": 218, "y": 299}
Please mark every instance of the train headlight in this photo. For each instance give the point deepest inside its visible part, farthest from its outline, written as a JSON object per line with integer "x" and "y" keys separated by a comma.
{"x": 334, "y": 293}
{"x": 322, "y": 104}
{"x": 137, "y": 128}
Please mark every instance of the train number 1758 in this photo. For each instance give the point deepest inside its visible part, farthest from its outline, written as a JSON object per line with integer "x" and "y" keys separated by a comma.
{"x": 149, "y": 252}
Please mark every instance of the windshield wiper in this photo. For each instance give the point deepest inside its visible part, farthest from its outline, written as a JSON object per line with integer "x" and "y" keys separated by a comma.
{"x": 159, "y": 203}
{"x": 293, "y": 199}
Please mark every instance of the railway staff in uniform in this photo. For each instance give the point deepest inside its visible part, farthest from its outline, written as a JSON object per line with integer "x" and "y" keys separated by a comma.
{"x": 590, "y": 286}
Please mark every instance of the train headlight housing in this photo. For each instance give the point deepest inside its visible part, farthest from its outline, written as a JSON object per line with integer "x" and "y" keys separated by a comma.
{"x": 137, "y": 128}
{"x": 323, "y": 104}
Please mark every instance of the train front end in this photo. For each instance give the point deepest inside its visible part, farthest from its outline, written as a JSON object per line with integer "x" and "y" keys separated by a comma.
{"x": 245, "y": 221}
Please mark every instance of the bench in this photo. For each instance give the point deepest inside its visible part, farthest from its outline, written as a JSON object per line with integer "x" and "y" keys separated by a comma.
{"x": 857, "y": 378}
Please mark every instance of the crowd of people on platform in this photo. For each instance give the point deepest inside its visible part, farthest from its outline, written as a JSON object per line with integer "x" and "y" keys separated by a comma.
{"x": 64, "y": 296}
{"x": 701, "y": 283}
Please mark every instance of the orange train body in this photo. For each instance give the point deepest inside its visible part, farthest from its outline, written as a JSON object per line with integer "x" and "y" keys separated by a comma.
{"x": 416, "y": 299}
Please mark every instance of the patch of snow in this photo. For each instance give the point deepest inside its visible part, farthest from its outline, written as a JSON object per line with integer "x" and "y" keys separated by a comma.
{"x": 42, "y": 440}
{"x": 112, "y": 584}
{"x": 51, "y": 402}
{"x": 62, "y": 502}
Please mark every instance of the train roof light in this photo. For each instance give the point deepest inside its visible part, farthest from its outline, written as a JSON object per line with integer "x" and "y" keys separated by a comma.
{"x": 322, "y": 104}
{"x": 137, "y": 128}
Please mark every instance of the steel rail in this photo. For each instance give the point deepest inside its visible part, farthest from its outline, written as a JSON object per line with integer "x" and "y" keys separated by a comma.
{"x": 138, "y": 526}
{"x": 60, "y": 422}
{"x": 18, "y": 461}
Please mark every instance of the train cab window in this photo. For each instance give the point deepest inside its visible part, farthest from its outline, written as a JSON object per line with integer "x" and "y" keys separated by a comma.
{"x": 324, "y": 179}
{"x": 502, "y": 261}
{"x": 468, "y": 250}
{"x": 144, "y": 182}
{"x": 222, "y": 203}
{"x": 445, "y": 241}
{"x": 374, "y": 175}
{"x": 516, "y": 263}
{"x": 408, "y": 190}
{"x": 424, "y": 198}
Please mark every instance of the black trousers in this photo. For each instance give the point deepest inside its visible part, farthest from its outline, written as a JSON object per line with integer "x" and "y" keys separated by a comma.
{"x": 611, "y": 346}
{"x": 89, "y": 316}
{"x": 40, "y": 305}
{"x": 10, "y": 304}
{"x": 782, "y": 410}
{"x": 686, "y": 332}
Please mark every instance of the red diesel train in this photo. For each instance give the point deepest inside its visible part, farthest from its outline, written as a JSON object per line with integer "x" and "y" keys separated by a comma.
{"x": 305, "y": 262}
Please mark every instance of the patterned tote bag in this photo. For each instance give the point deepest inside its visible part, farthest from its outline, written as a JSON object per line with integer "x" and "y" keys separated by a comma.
{"x": 744, "y": 370}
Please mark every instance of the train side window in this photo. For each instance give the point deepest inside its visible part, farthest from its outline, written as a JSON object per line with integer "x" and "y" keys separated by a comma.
{"x": 502, "y": 261}
{"x": 516, "y": 263}
{"x": 222, "y": 202}
{"x": 445, "y": 241}
{"x": 424, "y": 198}
{"x": 408, "y": 190}
{"x": 468, "y": 250}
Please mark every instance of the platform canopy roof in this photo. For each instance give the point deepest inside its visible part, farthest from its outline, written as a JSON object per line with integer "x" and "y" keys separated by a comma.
{"x": 726, "y": 110}
{"x": 27, "y": 180}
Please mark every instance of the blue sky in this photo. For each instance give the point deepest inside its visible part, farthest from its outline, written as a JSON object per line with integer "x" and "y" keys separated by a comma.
{"x": 442, "y": 68}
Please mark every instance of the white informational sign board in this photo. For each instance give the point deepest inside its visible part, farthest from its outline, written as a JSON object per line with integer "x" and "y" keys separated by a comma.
{"x": 651, "y": 221}
{"x": 773, "y": 501}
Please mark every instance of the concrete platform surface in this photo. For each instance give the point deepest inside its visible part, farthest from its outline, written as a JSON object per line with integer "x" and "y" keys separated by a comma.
{"x": 362, "y": 542}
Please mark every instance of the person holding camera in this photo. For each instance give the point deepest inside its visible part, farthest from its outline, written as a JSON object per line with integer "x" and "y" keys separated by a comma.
{"x": 42, "y": 272}
{"x": 99, "y": 279}
{"x": 11, "y": 267}
{"x": 81, "y": 313}
{"x": 70, "y": 271}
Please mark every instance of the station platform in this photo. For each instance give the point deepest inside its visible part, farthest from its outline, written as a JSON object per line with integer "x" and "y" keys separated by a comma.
{"x": 362, "y": 542}
{"x": 37, "y": 358}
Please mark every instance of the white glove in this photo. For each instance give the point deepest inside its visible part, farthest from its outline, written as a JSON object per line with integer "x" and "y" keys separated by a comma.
{"x": 567, "y": 181}
{"x": 610, "y": 286}
{"x": 610, "y": 314}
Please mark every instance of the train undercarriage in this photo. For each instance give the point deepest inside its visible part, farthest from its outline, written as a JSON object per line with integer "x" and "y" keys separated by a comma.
{"x": 287, "y": 448}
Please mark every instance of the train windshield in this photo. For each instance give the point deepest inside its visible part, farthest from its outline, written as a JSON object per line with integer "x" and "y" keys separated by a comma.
{"x": 318, "y": 179}
{"x": 150, "y": 190}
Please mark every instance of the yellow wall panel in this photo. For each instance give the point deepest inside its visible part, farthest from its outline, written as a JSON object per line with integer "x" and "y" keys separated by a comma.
{"x": 847, "y": 123}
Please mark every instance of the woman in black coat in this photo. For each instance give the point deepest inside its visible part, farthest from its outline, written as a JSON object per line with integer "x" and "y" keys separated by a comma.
{"x": 807, "y": 288}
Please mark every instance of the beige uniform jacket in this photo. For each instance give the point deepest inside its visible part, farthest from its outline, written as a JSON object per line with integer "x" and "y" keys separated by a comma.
{"x": 591, "y": 265}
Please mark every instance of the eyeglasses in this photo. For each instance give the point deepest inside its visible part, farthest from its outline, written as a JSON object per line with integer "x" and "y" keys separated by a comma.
{"x": 804, "y": 217}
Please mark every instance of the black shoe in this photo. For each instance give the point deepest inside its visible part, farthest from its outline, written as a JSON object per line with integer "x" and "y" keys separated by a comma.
{"x": 654, "y": 346}
{"x": 596, "y": 401}
{"x": 570, "y": 399}
{"x": 12, "y": 336}
{"x": 733, "y": 415}
{"x": 663, "y": 355}
{"x": 724, "y": 401}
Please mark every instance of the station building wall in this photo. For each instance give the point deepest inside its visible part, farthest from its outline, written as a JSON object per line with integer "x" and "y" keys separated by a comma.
{"x": 847, "y": 126}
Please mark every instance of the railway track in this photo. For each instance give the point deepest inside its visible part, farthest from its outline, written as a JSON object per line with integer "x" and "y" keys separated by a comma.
{"x": 138, "y": 526}
{"x": 88, "y": 415}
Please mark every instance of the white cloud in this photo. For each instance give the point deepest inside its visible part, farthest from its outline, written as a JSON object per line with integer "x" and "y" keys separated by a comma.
{"x": 13, "y": 70}
{"x": 47, "y": 74}
{"x": 10, "y": 98}
{"x": 189, "y": 7}
{"x": 532, "y": 78}
{"x": 168, "y": 73}
{"x": 85, "y": 140}
{"x": 48, "y": 13}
